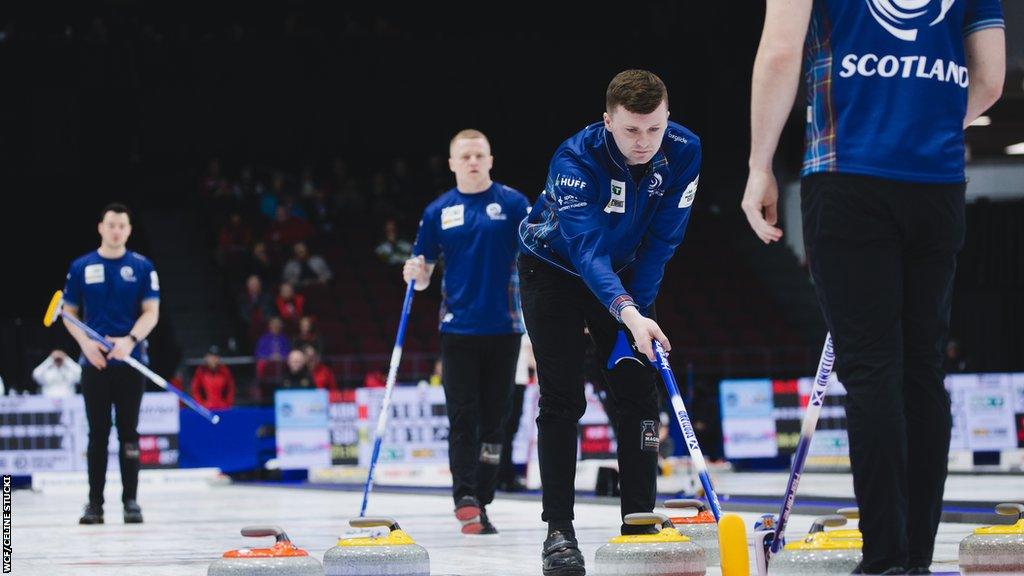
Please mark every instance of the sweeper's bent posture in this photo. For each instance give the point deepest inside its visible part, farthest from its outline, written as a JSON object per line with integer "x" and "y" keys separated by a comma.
{"x": 594, "y": 250}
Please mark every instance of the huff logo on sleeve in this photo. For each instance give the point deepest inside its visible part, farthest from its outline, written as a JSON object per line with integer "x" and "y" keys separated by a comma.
{"x": 453, "y": 216}
{"x": 617, "y": 202}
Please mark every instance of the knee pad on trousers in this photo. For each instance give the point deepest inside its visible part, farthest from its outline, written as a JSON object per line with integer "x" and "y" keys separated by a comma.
{"x": 131, "y": 450}
{"x": 490, "y": 454}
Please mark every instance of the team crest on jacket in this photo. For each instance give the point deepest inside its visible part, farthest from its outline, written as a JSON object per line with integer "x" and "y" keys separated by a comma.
{"x": 494, "y": 212}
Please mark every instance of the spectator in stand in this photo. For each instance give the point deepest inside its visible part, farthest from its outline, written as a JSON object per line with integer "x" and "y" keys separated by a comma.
{"x": 294, "y": 207}
{"x": 289, "y": 304}
{"x": 248, "y": 186}
{"x": 254, "y": 306}
{"x": 381, "y": 201}
{"x": 321, "y": 212}
{"x": 57, "y": 376}
{"x": 393, "y": 250}
{"x": 401, "y": 179}
{"x": 262, "y": 265}
{"x": 322, "y": 375}
{"x": 304, "y": 269}
{"x": 343, "y": 189}
{"x": 213, "y": 385}
{"x": 273, "y": 345}
{"x": 288, "y": 228}
{"x": 307, "y": 183}
{"x": 297, "y": 375}
{"x": 339, "y": 176}
{"x": 212, "y": 182}
{"x": 954, "y": 361}
{"x": 270, "y": 199}
{"x": 233, "y": 241}
{"x": 307, "y": 335}
{"x": 435, "y": 376}
{"x": 374, "y": 379}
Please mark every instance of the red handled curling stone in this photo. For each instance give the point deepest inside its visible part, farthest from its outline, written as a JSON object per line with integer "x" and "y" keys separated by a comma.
{"x": 281, "y": 559}
{"x": 701, "y": 528}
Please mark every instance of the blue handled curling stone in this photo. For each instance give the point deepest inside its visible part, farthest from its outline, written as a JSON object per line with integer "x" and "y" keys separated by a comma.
{"x": 700, "y": 528}
{"x": 667, "y": 553}
{"x": 281, "y": 559}
{"x": 822, "y": 552}
{"x": 996, "y": 549}
{"x": 391, "y": 554}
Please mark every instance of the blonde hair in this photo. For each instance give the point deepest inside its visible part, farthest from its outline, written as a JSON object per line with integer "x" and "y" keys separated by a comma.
{"x": 467, "y": 134}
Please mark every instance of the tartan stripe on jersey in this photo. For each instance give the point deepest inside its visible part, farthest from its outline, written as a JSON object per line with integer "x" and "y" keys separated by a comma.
{"x": 820, "y": 154}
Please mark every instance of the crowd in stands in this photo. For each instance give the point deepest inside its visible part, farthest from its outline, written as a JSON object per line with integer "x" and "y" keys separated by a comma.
{"x": 281, "y": 242}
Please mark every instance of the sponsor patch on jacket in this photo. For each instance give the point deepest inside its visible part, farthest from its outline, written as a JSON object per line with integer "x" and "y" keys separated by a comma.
{"x": 689, "y": 194}
{"x": 453, "y": 216}
{"x": 94, "y": 274}
{"x": 617, "y": 202}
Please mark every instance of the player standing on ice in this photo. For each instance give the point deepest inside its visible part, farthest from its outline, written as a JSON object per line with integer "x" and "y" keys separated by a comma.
{"x": 891, "y": 87}
{"x": 474, "y": 226}
{"x": 118, "y": 292}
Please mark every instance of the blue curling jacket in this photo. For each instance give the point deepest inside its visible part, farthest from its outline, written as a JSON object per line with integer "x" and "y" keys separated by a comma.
{"x": 592, "y": 221}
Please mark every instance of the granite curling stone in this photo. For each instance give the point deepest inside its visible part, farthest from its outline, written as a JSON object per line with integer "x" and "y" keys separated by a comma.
{"x": 822, "y": 552}
{"x": 666, "y": 553}
{"x": 281, "y": 559}
{"x": 996, "y": 549}
{"x": 391, "y": 554}
{"x": 700, "y": 528}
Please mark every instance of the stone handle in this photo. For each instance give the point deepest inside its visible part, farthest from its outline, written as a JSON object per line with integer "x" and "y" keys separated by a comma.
{"x": 261, "y": 531}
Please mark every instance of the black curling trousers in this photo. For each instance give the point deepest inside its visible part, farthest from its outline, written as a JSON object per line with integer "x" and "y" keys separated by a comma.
{"x": 882, "y": 256}
{"x": 478, "y": 374}
{"x": 557, "y": 307}
{"x": 120, "y": 387}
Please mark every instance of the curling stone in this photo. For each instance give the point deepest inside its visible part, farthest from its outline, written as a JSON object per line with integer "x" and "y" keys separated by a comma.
{"x": 281, "y": 559}
{"x": 391, "y": 554}
{"x": 700, "y": 528}
{"x": 667, "y": 553}
{"x": 821, "y": 552}
{"x": 995, "y": 549}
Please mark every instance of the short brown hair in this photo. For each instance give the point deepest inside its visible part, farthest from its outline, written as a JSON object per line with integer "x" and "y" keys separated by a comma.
{"x": 638, "y": 91}
{"x": 467, "y": 134}
{"x": 116, "y": 208}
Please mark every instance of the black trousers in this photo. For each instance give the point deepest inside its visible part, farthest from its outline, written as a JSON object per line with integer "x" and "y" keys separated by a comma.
{"x": 120, "y": 387}
{"x": 507, "y": 473}
{"x": 477, "y": 373}
{"x": 882, "y": 256}
{"x": 557, "y": 307}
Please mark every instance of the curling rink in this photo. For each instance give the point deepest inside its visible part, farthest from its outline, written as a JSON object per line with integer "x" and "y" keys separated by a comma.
{"x": 191, "y": 522}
